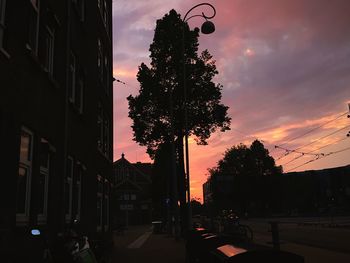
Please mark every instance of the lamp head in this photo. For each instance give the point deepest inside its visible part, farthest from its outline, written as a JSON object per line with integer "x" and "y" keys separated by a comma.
{"x": 208, "y": 27}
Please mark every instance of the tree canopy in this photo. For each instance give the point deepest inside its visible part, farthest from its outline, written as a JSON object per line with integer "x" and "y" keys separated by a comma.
{"x": 242, "y": 178}
{"x": 159, "y": 107}
{"x": 241, "y": 160}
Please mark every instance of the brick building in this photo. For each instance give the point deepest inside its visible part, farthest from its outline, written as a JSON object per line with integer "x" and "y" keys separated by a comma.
{"x": 55, "y": 115}
{"x": 132, "y": 192}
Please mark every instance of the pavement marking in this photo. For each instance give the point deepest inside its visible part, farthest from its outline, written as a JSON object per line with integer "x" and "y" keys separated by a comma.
{"x": 140, "y": 241}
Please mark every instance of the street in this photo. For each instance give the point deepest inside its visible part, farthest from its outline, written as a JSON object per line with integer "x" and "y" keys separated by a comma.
{"x": 303, "y": 236}
{"x": 315, "y": 244}
{"x": 301, "y": 231}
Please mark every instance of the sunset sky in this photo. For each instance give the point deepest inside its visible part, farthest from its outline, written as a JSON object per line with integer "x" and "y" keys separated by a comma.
{"x": 285, "y": 70}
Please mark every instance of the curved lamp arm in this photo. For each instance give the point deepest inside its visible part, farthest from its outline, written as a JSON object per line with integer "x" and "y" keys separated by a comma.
{"x": 202, "y": 15}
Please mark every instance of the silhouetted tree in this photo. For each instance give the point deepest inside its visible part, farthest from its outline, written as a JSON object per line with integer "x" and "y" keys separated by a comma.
{"x": 197, "y": 207}
{"x": 242, "y": 178}
{"x": 162, "y": 88}
{"x": 158, "y": 110}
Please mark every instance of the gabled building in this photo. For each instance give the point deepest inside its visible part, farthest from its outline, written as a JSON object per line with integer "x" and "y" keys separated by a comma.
{"x": 56, "y": 109}
{"x": 132, "y": 199}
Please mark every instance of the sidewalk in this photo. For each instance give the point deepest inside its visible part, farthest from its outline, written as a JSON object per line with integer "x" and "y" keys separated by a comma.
{"x": 139, "y": 244}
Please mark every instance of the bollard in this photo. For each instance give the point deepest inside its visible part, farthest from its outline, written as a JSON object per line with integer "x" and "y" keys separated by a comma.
{"x": 275, "y": 235}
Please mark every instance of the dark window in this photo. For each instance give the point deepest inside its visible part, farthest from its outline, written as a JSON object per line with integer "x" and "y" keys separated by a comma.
{"x": 77, "y": 192}
{"x": 49, "y": 50}
{"x": 43, "y": 182}
{"x": 80, "y": 8}
{"x": 103, "y": 126}
{"x": 24, "y": 176}
{"x": 2, "y": 23}
{"x": 99, "y": 205}
{"x": 79, "y": 91}
{"x": 100, "y": 60}
{"x": 68, "y": 188}
{"x": 72, "y": 72}
{"x": 76, "y": 83}
{"x": 33, "y": 25}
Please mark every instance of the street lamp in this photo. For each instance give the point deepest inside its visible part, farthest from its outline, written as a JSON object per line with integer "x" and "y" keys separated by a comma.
{"x": 207, "y": 27}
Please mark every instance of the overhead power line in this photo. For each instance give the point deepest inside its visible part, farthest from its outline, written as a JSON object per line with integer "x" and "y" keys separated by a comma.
{"x": 318, "y": 158}
{"x": 318, "y": 154}
{"x": 341, "y": 129}
{"x": 289, "y": 151}
{"x": 118, "y": 80}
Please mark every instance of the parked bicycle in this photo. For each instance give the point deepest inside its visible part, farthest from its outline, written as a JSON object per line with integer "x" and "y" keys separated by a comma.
{"x": 233, "y": 227}
{"x": 72, "y": 247}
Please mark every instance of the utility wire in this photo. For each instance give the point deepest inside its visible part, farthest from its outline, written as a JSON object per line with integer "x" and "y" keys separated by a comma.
{"x": 313, "y": 129}
{"x": 122, "y": 82}
{"x": 319, "y": 157}
{"x": 288, "y": 151}
{"x": 303, "y": 146}
{"x": 319, "y": 154}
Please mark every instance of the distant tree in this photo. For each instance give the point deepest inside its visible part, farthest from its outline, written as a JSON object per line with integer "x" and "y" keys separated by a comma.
{"x": 242, "y": 178}
{"x": 264, "y": 163}
{"x": 197, "y": 207}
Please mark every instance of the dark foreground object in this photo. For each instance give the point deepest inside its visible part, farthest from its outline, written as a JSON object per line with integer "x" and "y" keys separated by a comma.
{"x": 205, "y": 247}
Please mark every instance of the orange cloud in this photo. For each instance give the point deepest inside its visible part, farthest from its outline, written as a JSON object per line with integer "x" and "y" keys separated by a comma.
{"x": 279, "y": 134}
{"x": 126, "y": 73}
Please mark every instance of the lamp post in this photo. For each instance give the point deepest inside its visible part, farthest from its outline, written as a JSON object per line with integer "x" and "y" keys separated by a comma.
{"x": 207, "y": 27}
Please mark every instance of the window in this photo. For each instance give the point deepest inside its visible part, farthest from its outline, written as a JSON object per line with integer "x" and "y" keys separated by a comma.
{"x": 2, "y": 22}
{"x": 126, "y": 207}
{"x": 106, "y": 137}
{"x": 103, "y": 126}
{"x": 106, "y": 77}
{"x": 43, "y": 187}
{"x": 79, "y": 92}
{"x": 24, "y": 176}
{"x": 102, "y": 6}
{"x": 100, "y": 60}
{"x": 68, "y": 188}
{"x": 49, "y": 50}
{"x": 99, "y": 202}
{"x": 126, "y": 197}
{"x": 33, "y": 26}
{"x": 72, "y": 70}
{"x": 133, "y": 197}
{"x": 106, "y": 205}
{"x": 100, "y": 127}
{"x": 76, "y": 206}
{"x": 76, "y": 84}
{"x": 105, "y": 13}
{"x": 103, "y": 67}
{"x": 80, "y": 8}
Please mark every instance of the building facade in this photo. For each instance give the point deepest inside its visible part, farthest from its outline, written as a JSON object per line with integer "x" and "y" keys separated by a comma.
{"x": 132, "y": 196}
{"x": 207, "y": 192}
{"x": 307, "y": 193}
{"x": 56, "y": 115}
